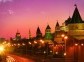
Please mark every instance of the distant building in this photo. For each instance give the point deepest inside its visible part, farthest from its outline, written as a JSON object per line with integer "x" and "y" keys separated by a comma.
{"x": 57, "y": 34}
{"x": 38, "y": 34}
{"x": 48, "y": 34}
{"x": 57, "y": 27}
{"x": 75, "y": 25}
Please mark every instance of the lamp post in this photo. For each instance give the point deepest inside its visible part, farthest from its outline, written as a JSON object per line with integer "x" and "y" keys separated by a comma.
{"x": 30, "y": 47}
{"x": 42, "y": 47}
{"x": 76, "y": 47}
{"x": 64, "y": 37}
{"x": 34, "y": 47}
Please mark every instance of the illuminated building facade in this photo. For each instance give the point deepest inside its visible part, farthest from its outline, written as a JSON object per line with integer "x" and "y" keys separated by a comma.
{"x": 48, "y": 34}
{"x": 75, "y": 25}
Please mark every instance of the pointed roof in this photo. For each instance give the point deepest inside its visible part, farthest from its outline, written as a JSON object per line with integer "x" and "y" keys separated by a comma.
{"x": 38, "y": 30}
{"x": 57, "y": 24}
{"x": 29, "y": 34}
{"x": 48, "y": 27}
{"x": 68, "y": 21}
{"x": 76, "y": 18}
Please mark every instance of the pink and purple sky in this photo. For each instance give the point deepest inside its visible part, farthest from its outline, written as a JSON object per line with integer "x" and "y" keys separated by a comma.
{"x": 29, "y": 14}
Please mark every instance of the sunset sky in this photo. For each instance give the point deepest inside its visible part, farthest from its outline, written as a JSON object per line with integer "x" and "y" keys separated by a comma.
{"x": 29, "y": 14}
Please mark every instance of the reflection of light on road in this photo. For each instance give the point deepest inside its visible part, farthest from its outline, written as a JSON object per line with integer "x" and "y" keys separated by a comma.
{"x": 15, "y": 58}
{"x": 10, "y": 59}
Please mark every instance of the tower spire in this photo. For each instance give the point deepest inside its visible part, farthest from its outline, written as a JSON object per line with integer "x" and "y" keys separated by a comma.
{"x": 76, "y": 18}
{"x": 38, "y": 33}
{"x": 48, "y": 34}
{"x": 48, "y": 27}
{"x": 57, "y": 27}
{"x": 57, "y": 24}
{"x": 30, "y": 34}
{"x": 38, "y": 30}
{"x": 75, "y": 5}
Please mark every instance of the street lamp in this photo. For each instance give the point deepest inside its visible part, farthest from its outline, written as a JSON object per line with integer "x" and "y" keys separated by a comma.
{"x": 30, "y": 43}
{"x": 65, "y": 54}
{"x": 42, "y": 41}
{"x": 14, "y": 44}
{"x": 51, "y": 51}
{"x": 18, "y": 44}
{"x": 76, "y": 47}
{"x": 62, "y": 35}
{"x": 41, "y": 45}
{"x": 23, "y": 44}
{"x": 76, "y": 44}
{"x": 65, "y": 38}
{"x": 82, "y": 44}
{"x": 35, "y": 42}
{"x": 44, "y": 52}
{"x": 56, "y": 52}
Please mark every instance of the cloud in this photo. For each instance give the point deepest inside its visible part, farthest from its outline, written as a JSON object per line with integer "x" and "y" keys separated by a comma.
{"x": 4, "y": 1}
{"x": 8, "y": 12}
{"x": 11, "y": 11}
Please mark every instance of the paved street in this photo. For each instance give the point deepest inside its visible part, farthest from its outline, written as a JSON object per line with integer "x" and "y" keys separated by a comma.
{"x": 15, "y": 58}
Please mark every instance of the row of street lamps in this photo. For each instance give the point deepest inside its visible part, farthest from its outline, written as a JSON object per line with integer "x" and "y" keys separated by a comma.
{"x": 64, "y": 38}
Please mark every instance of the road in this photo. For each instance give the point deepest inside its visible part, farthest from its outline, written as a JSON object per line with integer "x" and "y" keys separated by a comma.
{"x": 15, "y": 58}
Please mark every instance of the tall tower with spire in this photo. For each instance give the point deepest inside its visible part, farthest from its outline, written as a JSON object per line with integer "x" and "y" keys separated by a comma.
{"x": 18, "y": 36}
{"x": 48, "y": 34}
{"x": 38, "y": 33}
{"x": 58, "y": 33}
{"x": 57, "y": 27}
{"x": 30, "y": 34}
{"x": 76, "y": 18}
{"x": 76, "y": 25}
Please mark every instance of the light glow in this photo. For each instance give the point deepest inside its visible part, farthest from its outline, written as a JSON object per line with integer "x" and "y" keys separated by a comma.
{"x": 66, "y": 37}
{"x": 65, "y": 54}
{"x": 42, "y": 41}
{"x": 35, "y": 42}
{"x": 62, "y": 35}
{"x": 76, "y": 44}
{"x": 56, "y": 52}
{"x": 1, "y": 48}
{"x": 30, "y": 43}
{"x": 82, "y": 44}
